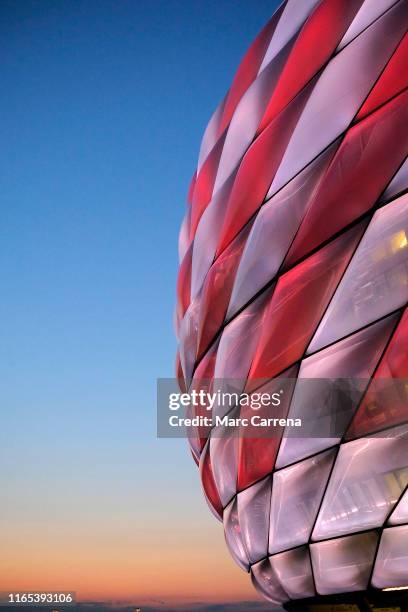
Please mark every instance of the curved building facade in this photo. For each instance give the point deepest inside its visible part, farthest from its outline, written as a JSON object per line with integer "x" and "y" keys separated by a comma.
{"x": 294, "y": 266}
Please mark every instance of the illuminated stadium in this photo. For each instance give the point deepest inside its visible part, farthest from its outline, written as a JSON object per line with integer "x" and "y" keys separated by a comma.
{"x": 293, "y": 268}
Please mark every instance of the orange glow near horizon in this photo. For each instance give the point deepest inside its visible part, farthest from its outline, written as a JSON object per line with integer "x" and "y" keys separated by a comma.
{"x": 125, "y": 565}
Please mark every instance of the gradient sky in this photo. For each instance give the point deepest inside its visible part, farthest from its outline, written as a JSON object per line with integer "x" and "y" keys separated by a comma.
{"x": 103, "y": 104}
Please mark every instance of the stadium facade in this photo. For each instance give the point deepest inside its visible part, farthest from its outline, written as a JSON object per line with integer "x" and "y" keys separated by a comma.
{"x": 293, "y": 267}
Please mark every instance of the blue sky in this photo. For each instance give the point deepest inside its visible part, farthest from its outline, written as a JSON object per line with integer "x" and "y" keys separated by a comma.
{"x": 103, "y": 107}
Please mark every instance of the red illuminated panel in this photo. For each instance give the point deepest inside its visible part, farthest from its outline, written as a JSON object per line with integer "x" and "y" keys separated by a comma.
{"x": 248, "y": 68}
{"x": 362, "y": 167}
{"x": 257, "y": 169}
{"x": 208, "y": 482}
{"x": 316, "y": 42}
{"x": 217, "y": 291}
{"x": 386, "y": 404}
{"x": 179, "y": 373}
{"x": 184, "y": 283}
{"x": 257, "y": 455}
{"x": 392, "y": 81}
{"x": 204, "y": 184}
{"x": 298, "y": 303}
{"x": 191, "y": 188}
{"x": 203, "y": 380}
